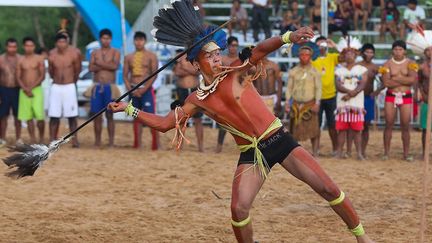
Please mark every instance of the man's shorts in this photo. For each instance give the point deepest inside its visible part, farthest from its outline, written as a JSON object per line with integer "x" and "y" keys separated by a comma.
{"x": 423, "y": 115}
{"x": 343, "y": 126}
{"x": 8, "y": 100}
{"x": 275, "y": 149}
{"x": 31, "y": 107}
{"x": 146, "y": 102}
{"x": 369, "y": 105}
{"x": 100, "y": 98}
{"x": 406, "y": 98}
{"x": 63, "y": 101}
{"x": 328, "y": 106}
{"x": 182, "y": 94}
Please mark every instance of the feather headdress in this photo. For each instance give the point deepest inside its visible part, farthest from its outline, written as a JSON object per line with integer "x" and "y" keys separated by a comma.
{"x": 181, "y": 25}
{"x": 349, "y": 42}
{"x": 419, "y": 40}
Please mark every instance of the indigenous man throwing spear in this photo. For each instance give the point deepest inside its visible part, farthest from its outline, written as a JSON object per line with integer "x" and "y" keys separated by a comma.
{"x": 230, "y": 98}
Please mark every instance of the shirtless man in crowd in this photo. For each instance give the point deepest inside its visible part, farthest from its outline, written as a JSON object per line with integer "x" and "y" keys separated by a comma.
{"x": 137, "y": 66}
{"x": 30, "y": 73}
{"x": 104, "y": 62}
{"x": 423, "y": 88}
{"x": 64, "y": 69}
{"x": 9, "y": 90}
{"x": 187, "y": 82}
{"x": 398, "y": 75}
{"x": 269, "y": 86}
{"x": 233, "y": 45}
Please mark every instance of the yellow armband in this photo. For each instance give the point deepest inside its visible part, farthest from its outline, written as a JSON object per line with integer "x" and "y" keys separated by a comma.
{"x": 383, "y": 70}
{"x": 413, "y": 66}
{"x": 286, "y": 37}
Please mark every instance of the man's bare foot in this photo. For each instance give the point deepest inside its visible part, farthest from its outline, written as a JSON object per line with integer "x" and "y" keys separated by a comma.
{"x": 364, "y": 239}
{"x": 97, "y": 144}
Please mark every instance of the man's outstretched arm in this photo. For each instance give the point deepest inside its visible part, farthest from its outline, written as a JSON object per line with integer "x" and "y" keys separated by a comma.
{"x": 157, "y": 122}
{"x": 269, "y": 45}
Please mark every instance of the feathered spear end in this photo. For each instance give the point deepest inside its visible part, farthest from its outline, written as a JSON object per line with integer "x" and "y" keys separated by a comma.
{"x": 28, "y": 158}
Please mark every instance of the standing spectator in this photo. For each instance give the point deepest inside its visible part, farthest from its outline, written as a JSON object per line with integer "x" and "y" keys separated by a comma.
{"x": 350, "y": 82}
{"x": 30, "y": 73}
{"x": 137, "y": 66}
{"x": 241, "y": 16}
{"x": 269, "y": 86}
{"x": 187, "y": 82}
{"x": 315, "y": 16}
{"x": 104, "y": 62}
{"x": 398, "y": 74}
{"x": 292, "y": 19}
{"x": 325, "y": 65}
{"x": 389, "y": 20}
{"x": 9, "y": 90}
{"x": 304, "y": 87}
{"x": 368, "y": 53}
{"x": 423, "y": 88}
{"x": 233, "y": 45}
{"x": 363, "y": 9}
{"x": 64, "y": 68}
{"x": 341, "y": 19}
{"x": 260, "y": 18}
{"x": 413, "y": 16}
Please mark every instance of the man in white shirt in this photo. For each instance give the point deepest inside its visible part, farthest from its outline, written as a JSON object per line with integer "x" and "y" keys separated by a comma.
{"x": 413, "y": 16}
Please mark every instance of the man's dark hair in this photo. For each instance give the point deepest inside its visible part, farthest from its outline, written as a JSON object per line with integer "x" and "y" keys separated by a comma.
{"x": 231, "y": 39}
{"x": 367, "y": 46}
{"x": 140, "y": 35}
{"x": 60, "y": 36}
{"x": 42, "y": 50}
{"x": 412, "y": 2}
{"x": 179, "y": 51}
{"x": 399, "y": 43}
{"x": 28, "y": 38}
{"x": 105, "y": 32}
{"x": 320, "y": 38}
{"x": 11, "y": 40}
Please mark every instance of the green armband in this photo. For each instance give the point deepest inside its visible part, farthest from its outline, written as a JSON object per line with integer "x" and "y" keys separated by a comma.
{"x": 286, "y": 37}
{"x": 358, "y": 231}
{"x": 131, "y": 110}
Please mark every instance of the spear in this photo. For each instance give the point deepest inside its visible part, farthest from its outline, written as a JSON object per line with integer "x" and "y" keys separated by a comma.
{"x": 27, "y": 158}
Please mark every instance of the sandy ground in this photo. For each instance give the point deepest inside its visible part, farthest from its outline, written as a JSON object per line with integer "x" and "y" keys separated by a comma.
{"x": 125, "y": 195}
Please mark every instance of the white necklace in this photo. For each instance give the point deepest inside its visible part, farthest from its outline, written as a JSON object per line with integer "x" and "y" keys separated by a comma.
{"x": 398, "y": 62}
{"x": 205, "y": 90}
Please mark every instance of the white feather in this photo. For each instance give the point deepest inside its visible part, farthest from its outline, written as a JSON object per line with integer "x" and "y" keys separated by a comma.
{"x": 354, "y": 42}
{"x": 418, "y": 42}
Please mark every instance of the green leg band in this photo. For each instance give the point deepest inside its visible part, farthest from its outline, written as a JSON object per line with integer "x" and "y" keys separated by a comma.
{"x": 338, "y": 200}
{"x": 241, "y": 223}
{"x": 358, "y": 231}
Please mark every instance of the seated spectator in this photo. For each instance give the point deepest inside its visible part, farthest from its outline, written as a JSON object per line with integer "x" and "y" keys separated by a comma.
{"x": 413, "y": 16}
{"x": 344, "y": 12}
{"x": 292, "y": 19}
{"x": 363, "y": 9}
{"x": 389, "y": 20}
{"x": 315, "y": 16}
{"x": 241, "y": 18}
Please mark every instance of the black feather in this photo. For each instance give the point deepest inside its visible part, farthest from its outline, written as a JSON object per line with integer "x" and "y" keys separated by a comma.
{"x": 26, "y": 160}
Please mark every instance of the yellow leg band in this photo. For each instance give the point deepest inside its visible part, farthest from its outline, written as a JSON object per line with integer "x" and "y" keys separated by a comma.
{"x": 338, "y": 200}
{"x": 358, "y": 231}
{"x": 286, "y": 37}
{"x": 241, "y": 223}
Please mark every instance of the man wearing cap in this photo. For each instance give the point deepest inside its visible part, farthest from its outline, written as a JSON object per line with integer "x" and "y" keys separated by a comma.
{"x": 325, "y": 64}
{"x": 304, "y": 87}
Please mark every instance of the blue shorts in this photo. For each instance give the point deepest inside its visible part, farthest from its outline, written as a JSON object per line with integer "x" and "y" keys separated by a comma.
{"x": 369, "y": 105}
{"x": 146, "y": 102}
{"x": 101, "y": 97}
{"x": 8, "y": 99}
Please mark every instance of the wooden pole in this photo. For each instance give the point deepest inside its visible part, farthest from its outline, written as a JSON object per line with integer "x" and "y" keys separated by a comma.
{"x": 426, "y": 163}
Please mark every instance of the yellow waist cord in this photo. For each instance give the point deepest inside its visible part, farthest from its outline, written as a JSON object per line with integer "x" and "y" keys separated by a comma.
{"x": 258, "y": 156}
